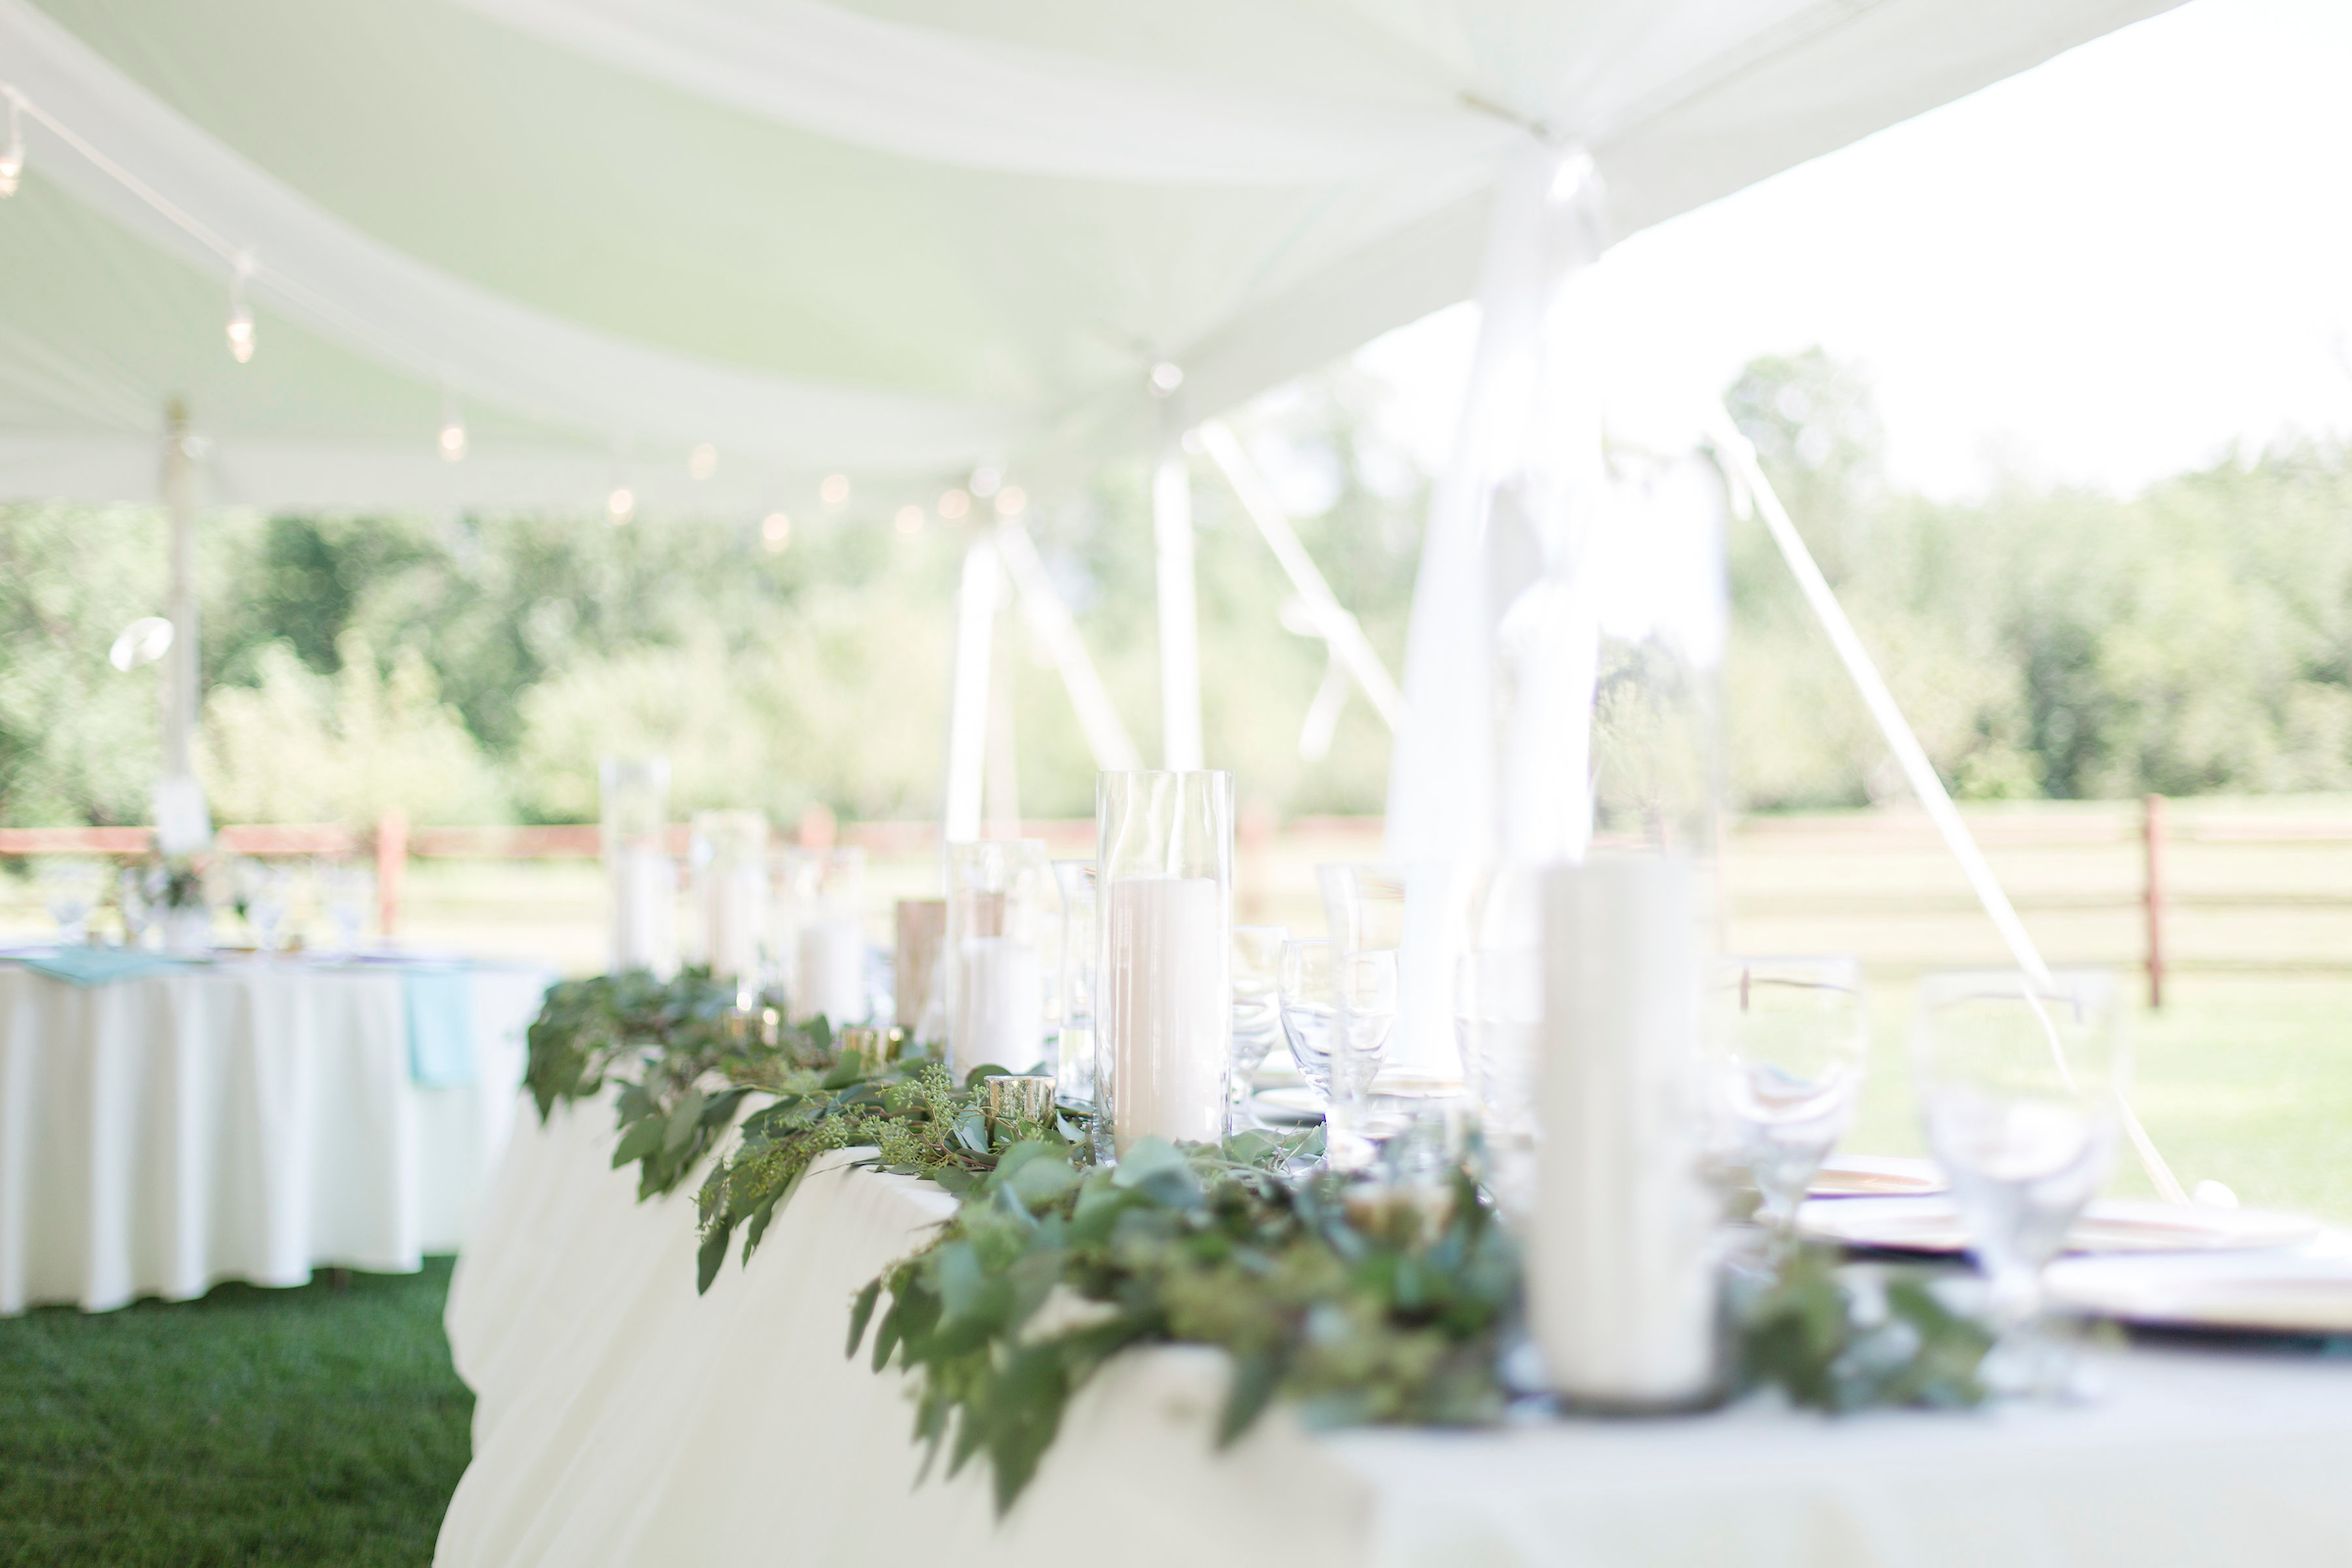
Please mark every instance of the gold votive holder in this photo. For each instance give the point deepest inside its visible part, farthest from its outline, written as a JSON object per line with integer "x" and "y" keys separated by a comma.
{"x": 1015, "y": 1099}
{"x": 749, "y": 1026}
{"x": 876, "y": 1047}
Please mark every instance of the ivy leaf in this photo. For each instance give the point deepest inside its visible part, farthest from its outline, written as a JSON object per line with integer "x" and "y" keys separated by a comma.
{"x": 683, "y": 1120}
{"x": 861, "y": 1310}
{"x": 713, "y": 1253}
{"x": 642, "y": 1139}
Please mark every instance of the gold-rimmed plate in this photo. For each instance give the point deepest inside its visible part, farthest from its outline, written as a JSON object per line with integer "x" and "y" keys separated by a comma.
{"x": 1877, "y": 1176}
{"x": 1933, "y": 1224}
{"x": 2294, "y": 1293}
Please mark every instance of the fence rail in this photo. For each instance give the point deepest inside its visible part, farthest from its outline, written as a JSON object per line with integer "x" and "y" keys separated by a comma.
{"x": 2149, "y": 826}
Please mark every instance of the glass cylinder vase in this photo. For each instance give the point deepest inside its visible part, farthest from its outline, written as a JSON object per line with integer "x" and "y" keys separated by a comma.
{"x": 829, "y": 939}
{"x": 999, "y": 895}
{"x": 1623, "y": 1287}
{"x": 638, "y": 869}
{"x": 1163, "y": 981}
{"x": 1074, "y": 1057}
{"x": 730, "y": 884}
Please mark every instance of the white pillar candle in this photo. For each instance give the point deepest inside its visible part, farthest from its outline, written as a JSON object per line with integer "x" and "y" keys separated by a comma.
{"x": 732, "y": 898}
{"x": 831, "y": 971}
{"x": 1164, "y": 1003}
{"x": 1003, "y": 998}
{"x": 1622, "y": 1282}
{"x": 644, "y": 896}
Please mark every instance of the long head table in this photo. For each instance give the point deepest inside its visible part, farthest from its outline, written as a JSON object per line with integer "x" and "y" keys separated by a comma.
{"x": 177, "y": 1125}
{"x": 622, "y": 1420}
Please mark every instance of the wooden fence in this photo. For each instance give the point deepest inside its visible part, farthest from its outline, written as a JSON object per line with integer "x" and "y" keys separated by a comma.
{"x": 2149, "y": 828}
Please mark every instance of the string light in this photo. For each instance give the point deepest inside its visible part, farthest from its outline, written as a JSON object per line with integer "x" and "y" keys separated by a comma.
{"x": 452, "y": 428}
{"x": 910, "y": 520}
{"x": 775, "y": 531}
{"x": 241, "y": 315}
{"x": 985, "y": 482}
{"x": 702, "y": 461}
{"x": 835, "y": 491}
{"x": 1166, "y": 377}
{"x": 621, "y": 505}
{"x": 953, "y": 505}
{"x": 1011, "y": 500}
{"x": 12, "y": 157}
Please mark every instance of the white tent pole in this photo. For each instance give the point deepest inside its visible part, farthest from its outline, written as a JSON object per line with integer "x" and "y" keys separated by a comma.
{"x": 1338, "y": 629}
{"x": 967, "y": 709}
{"x": 1740, "y": 455}
{"x": 1105, "y": 736}
{"x": 1179, "y": 624}
{"x": 182, "y": 672}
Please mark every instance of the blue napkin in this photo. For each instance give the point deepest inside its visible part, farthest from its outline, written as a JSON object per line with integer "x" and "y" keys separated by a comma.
{"x": 96, "y": 966}
{"x": 440, "y": 1008}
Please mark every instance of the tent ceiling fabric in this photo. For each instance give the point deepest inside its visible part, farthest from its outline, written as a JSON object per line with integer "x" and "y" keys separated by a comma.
{"x": 897, "y": 238}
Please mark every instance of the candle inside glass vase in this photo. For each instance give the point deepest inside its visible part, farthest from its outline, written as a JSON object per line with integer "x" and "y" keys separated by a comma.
{"x": 997, "y": 893}
{"x": 1163, "y": 984}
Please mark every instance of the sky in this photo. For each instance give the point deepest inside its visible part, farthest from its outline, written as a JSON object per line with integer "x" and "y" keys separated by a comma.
{"x": 2111, "y": 269}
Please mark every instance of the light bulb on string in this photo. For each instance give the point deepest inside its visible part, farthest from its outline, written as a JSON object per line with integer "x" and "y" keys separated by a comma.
{"x": 621, "y": 505}
{"x": 453, "y": 430}
{"x": 12, "y": 157}
{"x": 702, "y": 461}
{"x": 241, "y": 315}
{"x": 775, "y": 532}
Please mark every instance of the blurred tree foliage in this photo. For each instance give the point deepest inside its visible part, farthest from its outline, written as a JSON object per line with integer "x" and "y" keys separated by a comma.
{"x": 2197, "y": 637}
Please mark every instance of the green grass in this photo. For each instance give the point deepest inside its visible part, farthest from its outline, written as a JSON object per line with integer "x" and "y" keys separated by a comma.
{"x": 310, "y": 1426}
{"x": 2243, "y": 1080}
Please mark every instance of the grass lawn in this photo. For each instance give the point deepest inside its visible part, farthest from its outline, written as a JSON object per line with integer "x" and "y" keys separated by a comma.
{"x": 315, "y": 1426}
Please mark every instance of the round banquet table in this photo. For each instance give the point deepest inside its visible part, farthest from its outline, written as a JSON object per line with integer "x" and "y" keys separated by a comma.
{"x": 176, "y": 1125}
{"x": 621, "y": 1420}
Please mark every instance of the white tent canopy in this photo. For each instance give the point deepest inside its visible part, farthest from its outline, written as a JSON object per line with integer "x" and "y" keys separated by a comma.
{"x": 900, "y": 237}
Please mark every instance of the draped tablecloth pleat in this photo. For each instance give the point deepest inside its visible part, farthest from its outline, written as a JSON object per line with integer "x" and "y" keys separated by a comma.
{"x": 251, "y": 1121}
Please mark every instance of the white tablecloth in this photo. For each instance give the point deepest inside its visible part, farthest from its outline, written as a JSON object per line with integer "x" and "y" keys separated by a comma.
{"x": 624, "y": 1421}
{"x": 239, "y": 1120}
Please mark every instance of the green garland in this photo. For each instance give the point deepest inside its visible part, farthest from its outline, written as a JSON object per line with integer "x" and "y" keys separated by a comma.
{"x": 1358, "y": 1305}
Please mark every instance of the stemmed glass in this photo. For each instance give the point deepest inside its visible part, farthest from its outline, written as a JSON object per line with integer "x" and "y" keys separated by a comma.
{"x": 1338, "y": 1012}
{"x": 137, "y": 891}
{"x": 69, "y": 889}
{"x": 1256, "y": 1005}
{"x": 1794, "y": 1037}
{"x": 347, "y": 891}
{"x": 1497, "y": 1014}
{"x": 2021, "y": 1084}
{"x": 264, "y": 889}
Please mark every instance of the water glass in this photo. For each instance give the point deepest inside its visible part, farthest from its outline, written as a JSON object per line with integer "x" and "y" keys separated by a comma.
{"x": 1256, "y": 1004}
{"x": 265, "y": 891}
{"x": 2021, "y": 1084}
{"x": 1338, "y": 1012}
{"x": 138, "y": 889}
{"x": 347, "y": 891}
{"x": 1792, "y": 1037}
{"x": 71, "y": 889}
{"x": 1497, "y": 1020}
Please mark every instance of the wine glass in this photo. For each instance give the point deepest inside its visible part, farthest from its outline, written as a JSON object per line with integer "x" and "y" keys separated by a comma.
{"x": 347, "y": 891}
{"x": 69, "y": 889}
{"x": 1256, "y": 1004}
{"x": 1338, "y": 1012}
{"x": 1497, "y": 1014}
{"x": 264, "y": 889}
{"x": 2021, "y": 1083}
{"x": 138, "y": 889}
{"x": 1794, "y": 1037}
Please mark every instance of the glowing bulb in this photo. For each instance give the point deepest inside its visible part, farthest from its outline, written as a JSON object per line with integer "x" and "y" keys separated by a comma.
{"x": 453, "y": 437}
{"x": 985, "y": 482}
{"x": 12, "y": 158}
{"x": 953, "y": 505}
{"x": 775, "y": 531}
{"x": 621, "y": 505}
{"x": 240, "y": 332}
{"x": 1166, "y": 377}
{"x": 835, "y": 490}
{"x": 1011, "y": 500}
{"x": 910, "y": 520}
{"x": 702, "y": 461}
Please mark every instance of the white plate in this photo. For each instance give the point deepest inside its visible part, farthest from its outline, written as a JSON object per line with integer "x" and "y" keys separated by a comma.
{"x": 2296, "y": 1293}
{"x": 2116, "y": 1225}
{"x": 1297, "y": 1107}
{"x": 1877, "y": 1176}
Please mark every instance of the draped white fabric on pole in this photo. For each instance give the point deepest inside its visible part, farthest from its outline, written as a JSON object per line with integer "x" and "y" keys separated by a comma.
{"x": 900, "y": 238}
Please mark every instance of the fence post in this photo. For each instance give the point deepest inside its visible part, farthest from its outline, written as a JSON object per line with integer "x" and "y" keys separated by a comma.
{"x": 2152, "y": 844}
{"x": 391, "y": 860}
